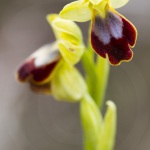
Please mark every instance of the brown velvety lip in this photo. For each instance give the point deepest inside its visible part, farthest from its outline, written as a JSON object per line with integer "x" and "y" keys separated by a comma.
{"x": 28, "y": 71}
{"x": 113, "y": 36}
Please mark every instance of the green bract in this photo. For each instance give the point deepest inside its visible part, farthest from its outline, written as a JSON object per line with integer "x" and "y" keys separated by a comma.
{"x": 108, "y": 132}
{"x": 81, "y": 11}
{"x": 91, "y": 122}
{"x": 67, "y": 84}
{"x": 69, "y": 38}
{"x": 99, "y": 133}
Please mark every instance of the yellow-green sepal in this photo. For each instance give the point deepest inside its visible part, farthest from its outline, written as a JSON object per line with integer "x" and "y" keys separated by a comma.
{"x": 67, "y": 84}
{"x": 108, "y": 131}
{"x": 100, "y": 8}
{"x": 68, "y": 27}
{"x": 69, "y": 38}
{"x": 60, "y": 26}
{"x": 118, "y": 3}
{"x": 95, "y": 2}
{"x": 71, "y": 53}
{"x": 76, "y": 11}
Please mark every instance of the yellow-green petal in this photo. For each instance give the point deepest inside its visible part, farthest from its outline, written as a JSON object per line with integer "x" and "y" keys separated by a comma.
{"x": 67, "y": 84}
{"x": 67, "y": 26}
{"x": 51, "y": 17}
{"x": 118, "y": 3}
{"x": 101, "y": 8}
{"x": 69, "y": 38}
{"x": 71, "y": 53}
{"x": 76, "y": 11}
{"x": 95, "y": 2}
{"x": 60, "y": 26}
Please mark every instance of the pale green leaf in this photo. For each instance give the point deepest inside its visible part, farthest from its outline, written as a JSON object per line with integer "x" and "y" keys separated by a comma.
{"x": 91, "y": 122}
{"x": 108, "y": 132}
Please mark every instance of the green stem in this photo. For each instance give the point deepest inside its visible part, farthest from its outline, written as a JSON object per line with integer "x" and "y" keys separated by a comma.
{"x": 102, "y": 72}
{"x": 96, "y": 73}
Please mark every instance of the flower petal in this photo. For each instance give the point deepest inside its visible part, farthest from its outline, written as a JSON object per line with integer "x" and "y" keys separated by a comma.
{"x": 76, "y": 11}
{"x": 100, "y": 8}
{"x": 71, "y": 53}
{"x": 113, "y": 36}
{"x": 118, "y": 3}
{"x": 95, "y": 2}
{"x": 118, "y": 25}
{"x": 39, "y": 66}
{"x": 69, "y": 38}
{"x": 68, "y": 84}
{"x": 129, "y": 31}
{"x": 65, "y": 26}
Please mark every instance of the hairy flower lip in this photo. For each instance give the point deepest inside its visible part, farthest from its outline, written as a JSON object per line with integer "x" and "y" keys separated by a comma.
{"x": 113, "y": 36}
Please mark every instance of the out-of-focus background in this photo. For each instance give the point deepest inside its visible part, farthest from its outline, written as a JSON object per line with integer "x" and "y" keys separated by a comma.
{"x": 36, "y": 122}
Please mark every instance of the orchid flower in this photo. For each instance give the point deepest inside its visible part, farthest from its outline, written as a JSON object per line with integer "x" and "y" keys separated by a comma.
{"x": 50, "y": 69}
{"x": 112, "y": 35}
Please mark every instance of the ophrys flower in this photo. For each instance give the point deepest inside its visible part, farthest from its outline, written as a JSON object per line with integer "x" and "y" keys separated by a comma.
{"x": 50, "y": 69}
{"x": 112, "y": 35}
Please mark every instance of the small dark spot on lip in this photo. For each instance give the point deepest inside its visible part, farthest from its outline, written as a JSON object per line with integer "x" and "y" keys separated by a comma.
{"x": 71, "y": 49}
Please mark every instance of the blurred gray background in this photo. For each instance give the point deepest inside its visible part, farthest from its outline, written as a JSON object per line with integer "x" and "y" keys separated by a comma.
{"x": 36, "y": 122}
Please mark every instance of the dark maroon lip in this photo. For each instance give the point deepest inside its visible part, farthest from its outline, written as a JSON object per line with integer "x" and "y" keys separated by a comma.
{"x": 28, "y": 71}
{"x": 25, "y": 70}
{"x": 113, "y": 36}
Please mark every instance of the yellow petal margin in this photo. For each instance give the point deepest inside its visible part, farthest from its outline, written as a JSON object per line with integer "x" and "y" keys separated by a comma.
{"x": 76, "y": 11}
{"x": 118, "y": 3}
